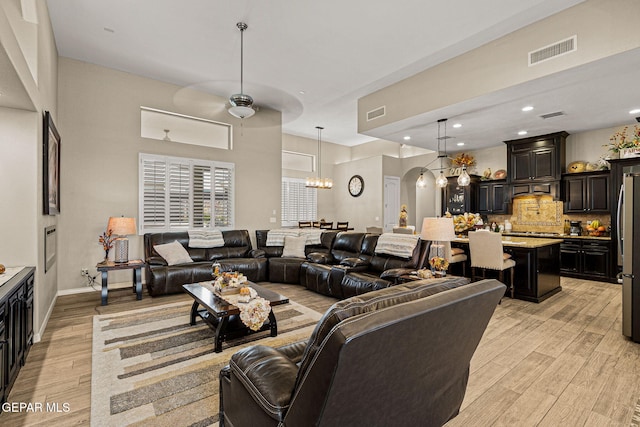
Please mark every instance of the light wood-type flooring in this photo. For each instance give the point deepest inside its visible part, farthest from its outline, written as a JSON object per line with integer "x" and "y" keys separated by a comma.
{"x": 563, "y": 362}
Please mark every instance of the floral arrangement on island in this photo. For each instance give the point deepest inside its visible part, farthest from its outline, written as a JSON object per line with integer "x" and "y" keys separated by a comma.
{"x": 465, "y": 222}
{"x": 620, "y": 140}
{"x": 439, "y": 263}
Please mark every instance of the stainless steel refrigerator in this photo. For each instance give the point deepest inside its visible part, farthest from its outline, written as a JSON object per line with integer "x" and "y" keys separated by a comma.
{"x": 629, "y": 254}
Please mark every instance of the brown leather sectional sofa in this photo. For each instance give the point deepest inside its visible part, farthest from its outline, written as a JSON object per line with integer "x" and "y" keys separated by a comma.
{"x": 344, "y": 264}
{"x": 236, "y": 255}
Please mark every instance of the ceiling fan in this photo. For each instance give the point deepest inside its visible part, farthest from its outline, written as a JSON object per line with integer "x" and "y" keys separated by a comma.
{"x": 241, "y": 103}
{"x": 197, "y": 96}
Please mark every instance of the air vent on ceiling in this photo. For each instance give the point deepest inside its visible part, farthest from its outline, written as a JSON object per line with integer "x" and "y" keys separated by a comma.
{"x": 374, "y": 114}
{"x": 553, "y": 50}
{"x": 550, "y": 115}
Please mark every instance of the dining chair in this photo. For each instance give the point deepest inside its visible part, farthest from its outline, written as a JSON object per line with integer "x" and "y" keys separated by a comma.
{"x": 487, "y": 253}
{"x": 304, "y": 224}
{"x": 326, "y": 225}
{"x": 342, "y": 225}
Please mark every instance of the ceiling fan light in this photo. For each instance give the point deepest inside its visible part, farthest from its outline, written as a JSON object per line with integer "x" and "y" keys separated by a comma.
{"x": 241, "y": 112}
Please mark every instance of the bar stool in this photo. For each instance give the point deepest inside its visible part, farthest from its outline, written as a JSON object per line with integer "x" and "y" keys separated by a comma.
{"x": 486, "y": 251}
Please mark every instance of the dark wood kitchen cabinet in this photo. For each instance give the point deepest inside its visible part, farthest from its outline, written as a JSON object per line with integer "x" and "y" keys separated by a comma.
{"x": 583, "y": 258}
{"x": 535, "y": 164}
{"x": 459, "y": 199}
{"x": 493, "y": 197}
{"x": 16, "y": 326}
{"x": 586, "y": 192}
{"x": 538, "y": 158}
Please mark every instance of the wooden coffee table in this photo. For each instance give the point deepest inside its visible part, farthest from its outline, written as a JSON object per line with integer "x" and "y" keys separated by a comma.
{"x": 224, "y": 318}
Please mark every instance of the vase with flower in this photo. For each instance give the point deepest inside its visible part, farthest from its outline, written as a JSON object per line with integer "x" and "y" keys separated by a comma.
{"x": 106, "y": 240}
{"x": 439, "y": 266}
{"x": 623, "y": 145}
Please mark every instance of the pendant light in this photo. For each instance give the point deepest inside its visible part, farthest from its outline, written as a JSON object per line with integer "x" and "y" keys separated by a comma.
{"x": 441, "y": 180}
{"x": 319, "y": 182}
{"x": 464, "y": 179}
{"x": 241, "y": 103}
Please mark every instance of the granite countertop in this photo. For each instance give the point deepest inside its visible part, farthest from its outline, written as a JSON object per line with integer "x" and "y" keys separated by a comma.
{"x": 561, "y": 236}
{"x": 520, "y": 242}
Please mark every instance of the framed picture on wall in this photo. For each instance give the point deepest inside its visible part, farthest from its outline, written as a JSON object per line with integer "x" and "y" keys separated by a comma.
{"x": 50, "y": 167}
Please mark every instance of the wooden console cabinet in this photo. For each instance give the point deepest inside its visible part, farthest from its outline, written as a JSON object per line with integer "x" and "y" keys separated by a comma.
{"x": 16, "y": 327}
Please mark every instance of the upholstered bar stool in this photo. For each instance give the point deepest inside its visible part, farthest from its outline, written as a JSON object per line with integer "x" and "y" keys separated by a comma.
{"x": 456, "y": 255}
{"x": 486, "y": 251}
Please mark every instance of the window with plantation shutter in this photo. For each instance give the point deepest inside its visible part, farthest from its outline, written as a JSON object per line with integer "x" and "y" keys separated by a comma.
{"x": 222, "y": 196}
{"x": 299, "y": 203}
{"x": 179, "y": 193}
{"x": 153, "y": 199}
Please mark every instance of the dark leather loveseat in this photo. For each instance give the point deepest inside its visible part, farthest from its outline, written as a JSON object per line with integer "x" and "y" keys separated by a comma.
{"x": 398, "y": 356}
{"x": 235, "y": 255}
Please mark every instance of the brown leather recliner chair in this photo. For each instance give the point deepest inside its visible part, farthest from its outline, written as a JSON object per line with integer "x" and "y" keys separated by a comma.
{"x": 397, "y": 356}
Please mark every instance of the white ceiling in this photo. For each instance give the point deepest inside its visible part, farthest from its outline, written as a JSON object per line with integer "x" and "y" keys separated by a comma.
{"x": 335, "y": 51}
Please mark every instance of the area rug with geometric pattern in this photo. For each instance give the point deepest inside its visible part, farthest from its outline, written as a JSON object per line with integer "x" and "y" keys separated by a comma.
{"x": 151, "y": 368}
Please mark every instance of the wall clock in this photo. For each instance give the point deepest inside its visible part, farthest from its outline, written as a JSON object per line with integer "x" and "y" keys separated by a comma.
{"x": 356, "y": 185}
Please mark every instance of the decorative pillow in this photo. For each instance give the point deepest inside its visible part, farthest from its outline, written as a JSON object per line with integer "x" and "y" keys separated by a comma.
{"x": 294, "y": 246}
{"x": 457, "y": 251}
{"x": 506, "y": 256}
{"x": 174, "y": 253}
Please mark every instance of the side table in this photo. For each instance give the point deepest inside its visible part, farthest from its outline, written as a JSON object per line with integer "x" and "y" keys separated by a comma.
{"x": 136, "y": 265}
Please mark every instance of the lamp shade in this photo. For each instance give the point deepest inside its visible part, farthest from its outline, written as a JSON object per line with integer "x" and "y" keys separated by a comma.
{"x": 121, "y": 226}
{"x": 438, "y": 229}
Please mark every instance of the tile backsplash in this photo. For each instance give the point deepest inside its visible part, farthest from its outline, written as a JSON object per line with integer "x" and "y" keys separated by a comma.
{"x": 543, "y": 214}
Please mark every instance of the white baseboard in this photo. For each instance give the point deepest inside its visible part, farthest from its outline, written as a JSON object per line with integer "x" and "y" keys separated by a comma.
{"x": 38, "y": 336}
{"x": 97, "y": 288}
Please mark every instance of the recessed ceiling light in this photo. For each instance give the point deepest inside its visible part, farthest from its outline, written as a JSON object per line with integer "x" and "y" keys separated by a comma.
{"x": 406, "y": 138}
{"x": 527, "y": 108}
{"x": 457, "y": 125}
{"x": 522, "y": 132}
{"x": 635, "y": 111}
{"x": 460, "y": 144}
{"x": 302, "y": 92}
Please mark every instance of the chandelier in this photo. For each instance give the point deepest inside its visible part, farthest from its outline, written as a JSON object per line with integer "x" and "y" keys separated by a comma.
{"x": 319, "y": 182}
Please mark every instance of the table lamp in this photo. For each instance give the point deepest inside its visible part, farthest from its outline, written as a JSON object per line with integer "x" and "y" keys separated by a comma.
{"x": 121, "y": 227}
{"x": 437, "y": 230}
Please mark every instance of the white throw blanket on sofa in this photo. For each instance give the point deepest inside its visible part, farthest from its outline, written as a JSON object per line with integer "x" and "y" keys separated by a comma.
{"x": 205, "y": 239}
{"x": 276, "y": 237}
{"x": 400, "y": 245}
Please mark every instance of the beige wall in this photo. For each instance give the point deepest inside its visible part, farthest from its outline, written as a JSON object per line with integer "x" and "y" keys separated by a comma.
{"x": 32, "y": 50}
{"x": 604, "y": 28}
{"x": 100, "y": 124}
{"x": 332, "y": 154}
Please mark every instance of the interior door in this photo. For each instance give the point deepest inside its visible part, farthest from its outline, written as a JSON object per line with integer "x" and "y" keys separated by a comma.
{"x": 391, "y": 202}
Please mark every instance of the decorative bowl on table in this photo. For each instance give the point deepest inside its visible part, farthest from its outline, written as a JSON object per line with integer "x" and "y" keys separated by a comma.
{"x": 229, "y": 282}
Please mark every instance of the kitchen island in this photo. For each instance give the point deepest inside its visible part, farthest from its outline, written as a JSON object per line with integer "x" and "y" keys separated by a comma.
{"x": 537, "y": 271}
